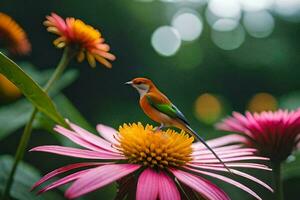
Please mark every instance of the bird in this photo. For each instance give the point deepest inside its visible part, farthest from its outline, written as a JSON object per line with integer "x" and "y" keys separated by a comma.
{"x": 160, "y": 109}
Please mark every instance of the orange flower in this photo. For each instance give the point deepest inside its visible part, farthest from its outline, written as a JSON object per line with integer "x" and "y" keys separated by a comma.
{"x": 13, "y": 36}
{"x": 8, "y": 91}
{"x": 74, "y": 32}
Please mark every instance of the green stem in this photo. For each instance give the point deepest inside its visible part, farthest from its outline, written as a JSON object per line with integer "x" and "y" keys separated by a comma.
{"x": 278, "y": 190}
{"x": 63, "y": 63}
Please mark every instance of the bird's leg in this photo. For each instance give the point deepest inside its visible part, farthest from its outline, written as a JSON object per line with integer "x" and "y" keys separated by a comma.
{"x": 160, "y": 127}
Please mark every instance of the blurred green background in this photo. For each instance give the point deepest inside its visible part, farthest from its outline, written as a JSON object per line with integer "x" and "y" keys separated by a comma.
{"x": 209, "y": 57}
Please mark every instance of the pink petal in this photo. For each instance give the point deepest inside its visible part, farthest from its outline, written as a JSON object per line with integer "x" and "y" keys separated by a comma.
{"x": 167, "y": 189}
{"x": 202, "y": 186}
{"x": 234, "y": 172}
{"x": 92, "y": 138}
{"x": 64, "y": 180}
{"x": 223, "y": 156}
{"x": 147, "y": 187}
{"x": 201, "y": 151}
{"x": 104, "y": 54}
{"x": 60, "y": 23}
{"x": 253, "y": 179}
{"x": 62, "y": 170}
{"x": 239, "y": 165}
{"x": 230, "y": 181}
{"x": 77, "y": 153}
{"x": 99, "y": 177}
{"x": 108, "y": 133}
{"x": 221, "y": 141}
{"x": 230, "y": 159}
{"x": 78, "y": 140}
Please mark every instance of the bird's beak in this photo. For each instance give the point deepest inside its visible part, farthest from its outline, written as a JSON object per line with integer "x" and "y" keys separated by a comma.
{"x": 128, "y": 83}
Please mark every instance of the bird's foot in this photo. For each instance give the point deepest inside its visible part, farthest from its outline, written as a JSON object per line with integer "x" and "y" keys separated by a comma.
{"x": 159, "y": 128}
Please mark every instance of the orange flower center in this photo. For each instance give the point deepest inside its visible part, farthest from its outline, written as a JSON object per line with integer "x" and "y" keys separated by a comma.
{"x": 146, "y": 146}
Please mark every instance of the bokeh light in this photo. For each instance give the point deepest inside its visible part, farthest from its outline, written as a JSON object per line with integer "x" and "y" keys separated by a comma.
{"x": 288, "y": 9}
{"x": 219, "y": 23}
{"x": 262, "y": 102}
{"x": 208, "y": 108}
{"x": 225, "y": 8}
{"x": 256, "y": 5}
{"x": 166, "y": 40}
{"x": 188, "y": 24}
{"x": 225, "y": 24}
{"x": 259, "y": 24}
{"x": 229, "y": 40}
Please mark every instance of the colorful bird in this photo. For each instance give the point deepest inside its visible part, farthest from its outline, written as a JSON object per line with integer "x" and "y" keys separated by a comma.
{"x": 160, "y": 109}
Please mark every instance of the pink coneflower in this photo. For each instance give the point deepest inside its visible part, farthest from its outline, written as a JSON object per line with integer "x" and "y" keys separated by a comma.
{"x": 87, "y": 40}
{"x": 149, "y": 164}
{"x": 274, "y": 134}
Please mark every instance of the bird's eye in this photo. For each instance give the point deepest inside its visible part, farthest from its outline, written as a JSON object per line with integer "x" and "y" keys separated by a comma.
{"x": 139, "y": 82}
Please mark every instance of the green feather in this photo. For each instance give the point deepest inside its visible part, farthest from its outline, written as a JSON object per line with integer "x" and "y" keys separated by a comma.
{"x": 168, "y": 109}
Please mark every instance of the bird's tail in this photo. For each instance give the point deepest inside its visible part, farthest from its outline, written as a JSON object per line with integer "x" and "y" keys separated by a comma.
{"x": 200, "y": 139}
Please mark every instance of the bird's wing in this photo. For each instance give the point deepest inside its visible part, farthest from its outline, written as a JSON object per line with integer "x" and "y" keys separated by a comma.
{"x": 165, "y": 107}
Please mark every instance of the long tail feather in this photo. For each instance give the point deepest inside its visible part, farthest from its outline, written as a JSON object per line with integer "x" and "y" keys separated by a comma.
{"x": 200, "y": 139}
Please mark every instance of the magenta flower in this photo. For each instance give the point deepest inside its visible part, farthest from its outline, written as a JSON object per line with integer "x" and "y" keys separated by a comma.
{"x": 274, "y": 134}
{"x": 149, "y": 164}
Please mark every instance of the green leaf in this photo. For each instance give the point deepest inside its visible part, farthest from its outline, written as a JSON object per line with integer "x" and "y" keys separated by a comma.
{"x": 13, "y": 116}
{"x": 30, "y": 89}
{"x": 25, "y": 177}
{"x": 41, "y": 77}
{"x": 291, "y": 168}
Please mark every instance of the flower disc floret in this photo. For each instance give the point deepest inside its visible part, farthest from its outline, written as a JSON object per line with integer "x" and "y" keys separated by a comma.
{"x": 146, "y": 146}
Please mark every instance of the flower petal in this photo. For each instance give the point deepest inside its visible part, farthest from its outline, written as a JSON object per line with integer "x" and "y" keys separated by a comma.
{"x": 64, "y": 181}
{"x": 230, "y": 181}
{"x": 92, "y": 138}
{"x": 59, "y": 22}
{"x": 147, "y": 187}
{"x": 77, "y": 153}
{"x": 238, "y": 165}
{"x": 79, "y": 140}
{"x": 202, "y": 151}
{"x": 223, "y": 156}
{"x": 62, "y": 170}
{"x": 221, "y": 141}
{"x": 99, "y": 177}
{"x": 167, "y": 189}
{"x": 202, "y": 186}
{"x": 108, "y": 133}
{"x": 234, "y": 171}
{"x": 230, "y": 159}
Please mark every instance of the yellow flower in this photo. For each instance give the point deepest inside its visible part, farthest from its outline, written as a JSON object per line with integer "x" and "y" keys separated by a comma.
{"x": 12, "y": 36}
{"x": 144, "y": 145}
{"x": 87, "y": 40}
